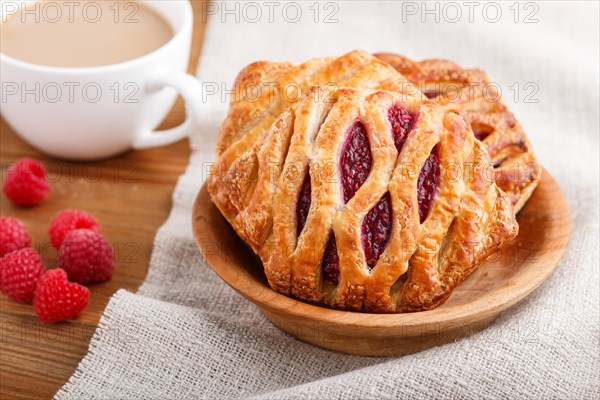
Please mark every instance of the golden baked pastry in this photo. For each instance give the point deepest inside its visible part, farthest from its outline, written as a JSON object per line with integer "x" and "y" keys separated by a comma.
{"x": 469, "y": 91}
{"x": 356, "y": 194}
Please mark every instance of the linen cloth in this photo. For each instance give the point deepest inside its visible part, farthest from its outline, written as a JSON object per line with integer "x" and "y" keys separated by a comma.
{"x": 186, "y": 334}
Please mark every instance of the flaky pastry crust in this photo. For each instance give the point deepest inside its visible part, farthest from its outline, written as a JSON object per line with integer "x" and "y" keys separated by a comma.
{"x": 422, "y": 212}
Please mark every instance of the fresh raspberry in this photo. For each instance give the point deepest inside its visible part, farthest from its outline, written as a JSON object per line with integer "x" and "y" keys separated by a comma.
{"x": 57, "y": 299}
{"x": 13, "y": 235}
{"x": 69, "y": 220}
{"x": 20, "y": 272}
{"x": 26, "y": 183}
{"x": 87, "y": 257}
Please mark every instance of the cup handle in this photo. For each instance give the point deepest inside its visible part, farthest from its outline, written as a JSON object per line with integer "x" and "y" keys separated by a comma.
{"x": 190, "y": 89}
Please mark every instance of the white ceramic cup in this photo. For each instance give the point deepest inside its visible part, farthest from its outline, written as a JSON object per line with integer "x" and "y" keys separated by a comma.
{"x": 97, "y": 112}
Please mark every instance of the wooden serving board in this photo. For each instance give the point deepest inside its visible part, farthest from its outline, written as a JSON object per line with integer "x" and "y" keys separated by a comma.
{"x": 502, "y": 281}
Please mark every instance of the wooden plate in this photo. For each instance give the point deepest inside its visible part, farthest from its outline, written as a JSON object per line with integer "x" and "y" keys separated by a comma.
{"x": 505, "y": 279}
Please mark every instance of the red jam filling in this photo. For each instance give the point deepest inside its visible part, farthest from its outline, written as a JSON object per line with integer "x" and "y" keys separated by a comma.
{"x": 331, "y": 261}
{"x": 376, "y": 230}
{"x": 432, "y": 94}
{"x": 402, "y": 123}
{"x": 355, "y": 162}
{"x": 303, "y": 205}
{"x": 481, "y": 133}
{"x": 428, "y": 183}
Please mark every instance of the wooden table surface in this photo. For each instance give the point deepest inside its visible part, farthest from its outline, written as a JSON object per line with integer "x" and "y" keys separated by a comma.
{"x": 131, "y": 197}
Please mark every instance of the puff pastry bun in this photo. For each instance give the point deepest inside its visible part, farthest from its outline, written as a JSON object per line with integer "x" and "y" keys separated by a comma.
{"x": 358, "y": 194}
